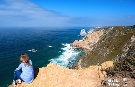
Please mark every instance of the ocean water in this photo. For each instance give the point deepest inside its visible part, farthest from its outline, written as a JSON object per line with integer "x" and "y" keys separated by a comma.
{"x": 53, "y": 45}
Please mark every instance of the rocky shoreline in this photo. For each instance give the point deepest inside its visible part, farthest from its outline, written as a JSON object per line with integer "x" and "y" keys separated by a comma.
{"x": 102, "y": 45}
{"x": 117, "y": 44}
{"x": 87, "y": 44}
{"x": 89, "y": 40}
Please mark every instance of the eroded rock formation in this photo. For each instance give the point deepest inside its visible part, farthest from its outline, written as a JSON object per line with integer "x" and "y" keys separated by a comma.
{"x": 83, "y": 32}
{"x": 89, "y": 40}
{"x": 57, "y": 76}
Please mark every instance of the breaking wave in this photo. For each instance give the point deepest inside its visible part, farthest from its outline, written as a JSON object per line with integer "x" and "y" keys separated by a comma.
{"x": 68, "y": 56}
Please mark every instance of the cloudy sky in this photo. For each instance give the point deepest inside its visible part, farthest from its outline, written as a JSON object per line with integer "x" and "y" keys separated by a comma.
{"x": 66, "y": 13}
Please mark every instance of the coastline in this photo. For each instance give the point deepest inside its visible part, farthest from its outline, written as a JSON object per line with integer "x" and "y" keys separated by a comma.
{"x": 56, "y": 71}
{"x": 116, "y": 45}
{"x": 87, "y": 44}
{"x": 90, "y": 70}
{"x": 105, "y": 44}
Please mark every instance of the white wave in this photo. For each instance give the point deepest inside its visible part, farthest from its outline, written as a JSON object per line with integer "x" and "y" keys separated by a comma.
{"x": 59, "y": 51}
{"x": 33, "y": 50}
{"x": 49, "y": 46}
{"x": 67, "y": 56}
{"x": 29, "y": 50}
{"x": 91, "y": 30}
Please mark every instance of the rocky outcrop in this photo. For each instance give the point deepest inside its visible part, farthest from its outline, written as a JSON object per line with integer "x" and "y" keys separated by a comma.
{"x": 83, "y": 32}
{"x": 57, "y": 76}
{"x": 89, "y": 40}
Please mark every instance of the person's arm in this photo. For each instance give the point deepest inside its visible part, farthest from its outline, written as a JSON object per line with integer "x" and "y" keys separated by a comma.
{"x": 19, "y": 67}
{"x": 30, "y": 62}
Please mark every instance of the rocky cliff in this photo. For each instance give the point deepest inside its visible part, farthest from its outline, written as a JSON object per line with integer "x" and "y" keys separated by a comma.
{"x": 104, "y": 45}
{"x": 57, "y": 76}
{"x": 118, "y": 45}
{"x": 89, "y": 40}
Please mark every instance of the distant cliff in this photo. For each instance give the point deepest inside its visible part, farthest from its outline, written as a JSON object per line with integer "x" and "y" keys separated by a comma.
{"x": 89, "y": 40}
{"x": 104, "y": 45}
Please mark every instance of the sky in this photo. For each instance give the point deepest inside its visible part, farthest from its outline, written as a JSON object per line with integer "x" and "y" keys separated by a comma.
{"x": 66, "y": 13}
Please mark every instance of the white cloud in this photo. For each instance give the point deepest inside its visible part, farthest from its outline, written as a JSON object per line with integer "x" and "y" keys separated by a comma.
{"x": 25, "y": 13}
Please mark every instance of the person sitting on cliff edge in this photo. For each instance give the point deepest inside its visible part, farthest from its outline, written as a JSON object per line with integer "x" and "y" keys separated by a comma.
{"x": 25, "y": 71}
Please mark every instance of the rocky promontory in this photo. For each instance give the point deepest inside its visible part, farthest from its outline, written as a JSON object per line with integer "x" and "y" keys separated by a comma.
{"x": 89, "y": 40}
{"x": 59, "y": 76}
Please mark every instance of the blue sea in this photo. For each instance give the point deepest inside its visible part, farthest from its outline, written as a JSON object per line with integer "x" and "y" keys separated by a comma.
{"x": 52, "y": 44}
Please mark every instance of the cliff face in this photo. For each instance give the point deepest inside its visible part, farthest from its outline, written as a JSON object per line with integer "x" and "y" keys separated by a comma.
{"x": 89, "y": 40}
{"x": 57, "y": 76}
{"x": 109, "y": 44}
{"x": 123, "y": 72}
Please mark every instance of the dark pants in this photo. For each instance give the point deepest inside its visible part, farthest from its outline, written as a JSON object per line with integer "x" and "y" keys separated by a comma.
{"x": 17, "y": 75}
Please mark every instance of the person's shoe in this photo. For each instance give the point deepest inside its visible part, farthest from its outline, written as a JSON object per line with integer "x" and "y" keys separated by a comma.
{"x": 19, "y": 81}
{"x": 14, "y": 83}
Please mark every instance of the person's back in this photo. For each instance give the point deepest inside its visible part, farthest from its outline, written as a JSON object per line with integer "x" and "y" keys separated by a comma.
{"x": 25, "y": 70}
{"x": 27, "y": 74}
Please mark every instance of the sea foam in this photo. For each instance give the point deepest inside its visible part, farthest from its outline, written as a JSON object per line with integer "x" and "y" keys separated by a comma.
{"x": 49, "y": 46}
{"x": 68, "y": 55}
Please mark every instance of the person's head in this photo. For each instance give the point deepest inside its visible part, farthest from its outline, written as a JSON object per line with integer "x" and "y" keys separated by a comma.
{"x": 24, "y": 58}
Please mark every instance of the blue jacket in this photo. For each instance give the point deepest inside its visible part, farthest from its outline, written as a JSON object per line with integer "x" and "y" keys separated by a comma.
{"x": 27, "y": 74}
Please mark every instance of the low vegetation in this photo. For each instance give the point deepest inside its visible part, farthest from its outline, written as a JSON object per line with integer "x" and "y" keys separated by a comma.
{"x": 125, "y": 64}
{"x": 109, "y": 47}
